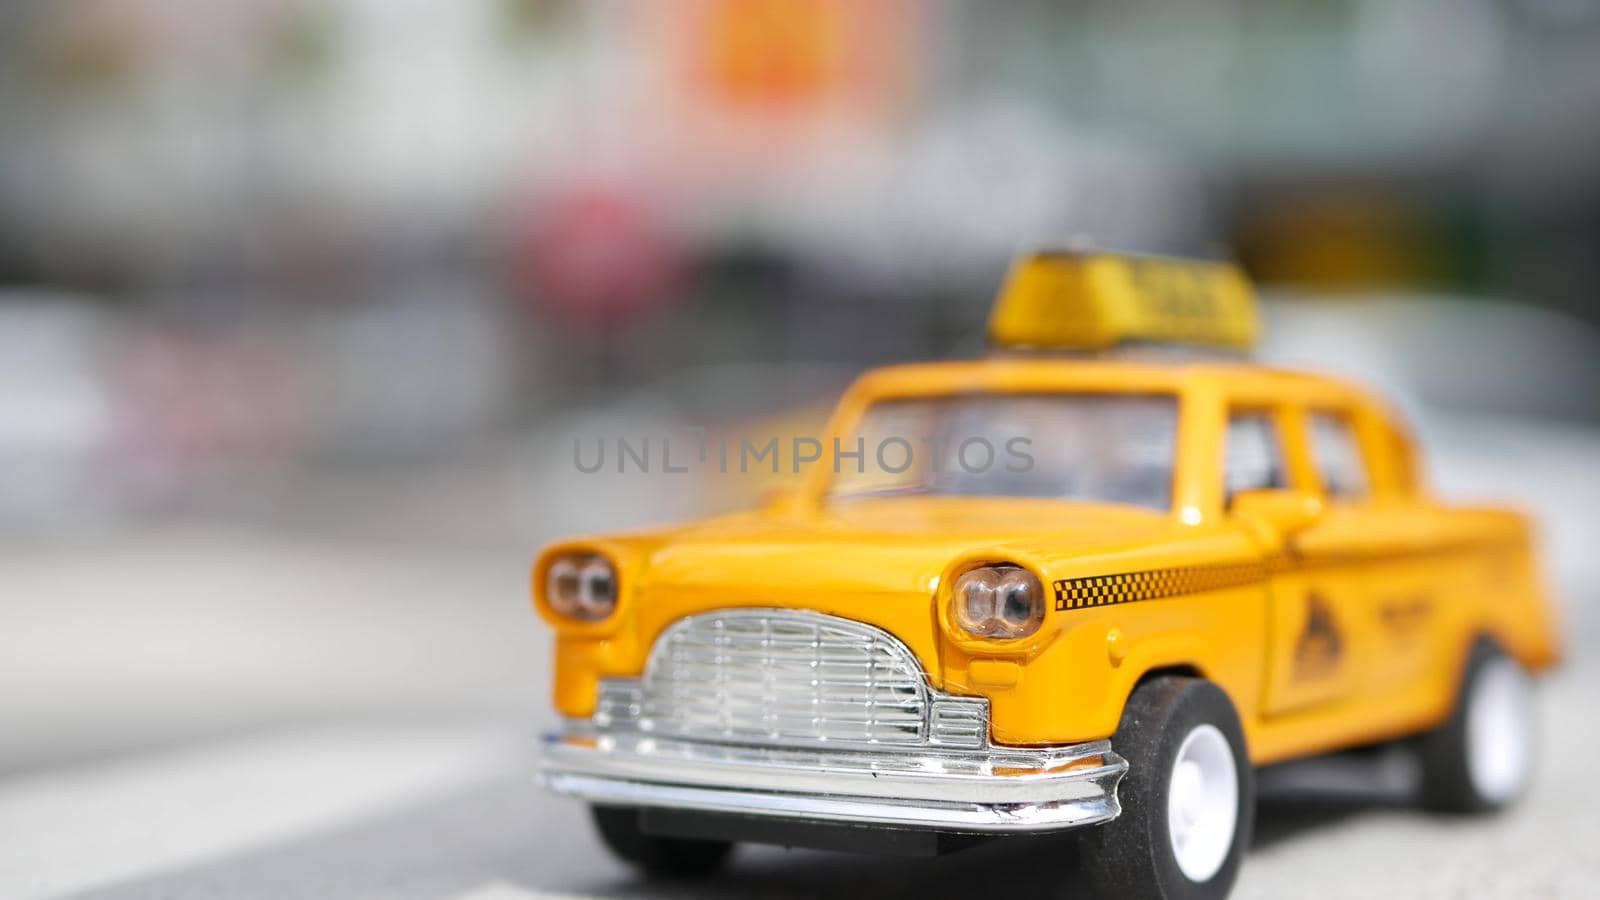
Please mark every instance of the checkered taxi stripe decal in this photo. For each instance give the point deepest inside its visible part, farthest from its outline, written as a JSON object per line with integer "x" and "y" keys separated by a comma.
{"x": 1156, "y": 584}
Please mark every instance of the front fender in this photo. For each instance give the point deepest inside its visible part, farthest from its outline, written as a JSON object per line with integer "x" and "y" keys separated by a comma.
{"x": 1076, "y": 689}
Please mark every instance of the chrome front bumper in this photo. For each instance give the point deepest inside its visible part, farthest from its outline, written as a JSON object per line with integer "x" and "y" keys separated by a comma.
{"x": 991, "y": 789}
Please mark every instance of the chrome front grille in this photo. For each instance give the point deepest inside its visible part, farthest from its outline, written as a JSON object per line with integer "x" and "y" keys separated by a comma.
{"x": 790, "y": 678}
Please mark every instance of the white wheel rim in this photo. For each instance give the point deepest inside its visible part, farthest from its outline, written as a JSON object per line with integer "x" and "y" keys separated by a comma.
{"x": 1498, "y": 731}
{"x": 1202, "y": 803}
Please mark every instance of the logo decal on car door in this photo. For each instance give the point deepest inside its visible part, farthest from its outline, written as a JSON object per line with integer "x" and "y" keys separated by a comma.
{"x": 1320, "y": 645}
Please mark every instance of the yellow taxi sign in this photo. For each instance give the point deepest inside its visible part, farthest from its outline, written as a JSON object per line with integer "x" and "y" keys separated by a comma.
{"x": 1095, "y": 301}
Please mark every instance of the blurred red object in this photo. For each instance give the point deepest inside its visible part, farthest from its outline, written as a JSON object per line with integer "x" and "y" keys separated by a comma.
{"x": 596, "y": 256}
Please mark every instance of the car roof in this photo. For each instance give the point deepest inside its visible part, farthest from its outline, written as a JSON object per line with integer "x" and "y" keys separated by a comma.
{"x": 1024, "y": 372}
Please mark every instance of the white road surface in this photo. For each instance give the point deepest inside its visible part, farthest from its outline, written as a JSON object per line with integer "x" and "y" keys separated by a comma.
{"x": 449, "y": 812}
{"x": 247, "y": 713}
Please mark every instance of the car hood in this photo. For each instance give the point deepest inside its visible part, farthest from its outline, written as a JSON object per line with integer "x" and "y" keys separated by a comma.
{"x": 893, "y": 545}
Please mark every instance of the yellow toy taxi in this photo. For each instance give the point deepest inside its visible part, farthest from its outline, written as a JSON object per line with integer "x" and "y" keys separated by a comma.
{"x": 1091, "y": 581}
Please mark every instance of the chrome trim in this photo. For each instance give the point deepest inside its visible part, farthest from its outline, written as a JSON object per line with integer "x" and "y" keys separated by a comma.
{"x": 788, "y": 678}
{"x": 777, "y": 713}
{"x": 950, "y": 720}
{"x": 997, "y": 789}
{"x": 958, "y": 721}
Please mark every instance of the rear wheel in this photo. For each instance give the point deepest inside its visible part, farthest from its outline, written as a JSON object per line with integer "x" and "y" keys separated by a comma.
{"x": 1188, "y": 800}
{"x": 1481, "y": 758}
{"x": 664, "y": 857}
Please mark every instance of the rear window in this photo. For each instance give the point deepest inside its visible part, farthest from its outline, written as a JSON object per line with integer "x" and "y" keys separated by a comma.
{"x": 1253, "y": 456}
{"x": 1338, "y": 456}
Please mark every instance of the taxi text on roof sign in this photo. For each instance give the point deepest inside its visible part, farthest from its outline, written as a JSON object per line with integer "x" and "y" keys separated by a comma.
{"x": 1093, "y": 301}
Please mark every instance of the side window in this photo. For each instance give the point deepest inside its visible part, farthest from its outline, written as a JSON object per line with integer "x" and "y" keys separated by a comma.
{"x": 1253, "y": 457}
{"x": 1338, "y": 456}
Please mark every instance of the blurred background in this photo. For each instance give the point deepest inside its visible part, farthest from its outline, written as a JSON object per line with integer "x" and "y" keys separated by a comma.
{"x": 304, "y": 304}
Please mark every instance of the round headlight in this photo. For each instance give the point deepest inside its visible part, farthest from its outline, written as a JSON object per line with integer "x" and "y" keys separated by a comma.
{"x": 1002, "y": 602}
{"x": 582, "y": 587}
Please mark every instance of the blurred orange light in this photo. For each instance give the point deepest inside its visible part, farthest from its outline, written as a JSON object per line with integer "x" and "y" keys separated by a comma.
{"x": 786, "y": 53}
{"x": 774, "y": 51}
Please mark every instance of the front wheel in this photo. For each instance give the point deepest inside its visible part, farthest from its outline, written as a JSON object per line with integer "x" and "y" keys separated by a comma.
{"x": 1188, "y": 800}
{"x": 658, "y": 856}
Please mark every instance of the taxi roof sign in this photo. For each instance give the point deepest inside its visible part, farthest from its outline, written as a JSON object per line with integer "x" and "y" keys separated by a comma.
{"x": 1068, "y": 300}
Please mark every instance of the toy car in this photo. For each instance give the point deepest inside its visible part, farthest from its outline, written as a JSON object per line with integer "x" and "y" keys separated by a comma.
{"x": 1175, "y": 565}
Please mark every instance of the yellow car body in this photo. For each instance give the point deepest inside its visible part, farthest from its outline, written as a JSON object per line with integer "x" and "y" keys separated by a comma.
{"x": 1218, "y": 565}
{"x": 1407, "y": 582}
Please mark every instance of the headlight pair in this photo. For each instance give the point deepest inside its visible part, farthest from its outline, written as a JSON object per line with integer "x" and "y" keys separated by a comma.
{"x": 999, "y": 602}
{"x": 582, "y": 587}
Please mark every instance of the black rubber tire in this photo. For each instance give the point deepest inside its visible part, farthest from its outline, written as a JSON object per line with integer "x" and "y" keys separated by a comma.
{"x": 662, "y": 857}
{"x": 1131, "y": 856}
{"x": 1447, "y": 784}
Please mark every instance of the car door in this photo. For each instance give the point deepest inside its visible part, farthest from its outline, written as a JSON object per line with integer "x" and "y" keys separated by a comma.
{"x": 1317, "y": 611}
{"x": 1378, "y": 525}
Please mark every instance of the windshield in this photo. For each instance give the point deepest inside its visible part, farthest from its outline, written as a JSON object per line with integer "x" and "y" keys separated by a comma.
{"x": 1108, "y": 448}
